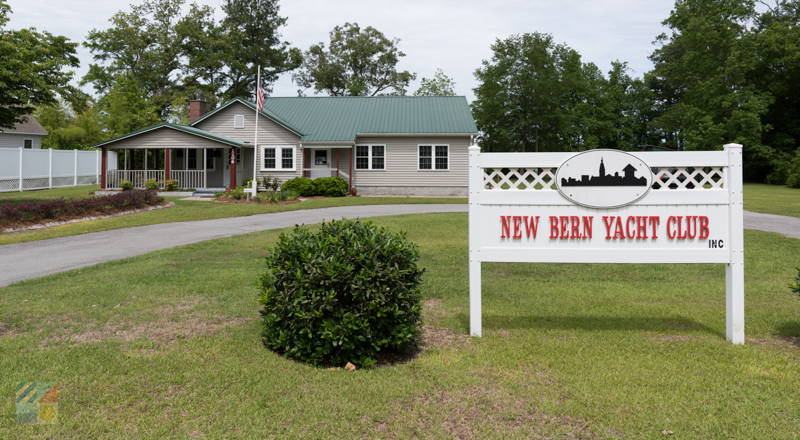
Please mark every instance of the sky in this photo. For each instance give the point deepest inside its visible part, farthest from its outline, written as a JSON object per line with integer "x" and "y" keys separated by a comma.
{"x": 452, "y": 35}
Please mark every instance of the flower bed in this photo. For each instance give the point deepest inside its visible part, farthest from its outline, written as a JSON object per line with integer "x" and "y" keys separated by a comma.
{"x": 25, "y": 213}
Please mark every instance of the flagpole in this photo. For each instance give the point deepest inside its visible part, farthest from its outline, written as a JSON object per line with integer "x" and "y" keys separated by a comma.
{"x": 255, "y": 141}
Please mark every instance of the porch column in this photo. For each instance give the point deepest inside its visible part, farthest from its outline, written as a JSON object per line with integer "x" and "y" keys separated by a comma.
{"x": 166, "y": 165}
{"x": 337, "y": 162}
{"x": 103, "y": 167}
{"x": 352, "y": 151}
{"x": 303, "y": 170}
{"x": 233, "y": 168}
{"x": 205, "y": 170}
{"x": 145, "y": 163}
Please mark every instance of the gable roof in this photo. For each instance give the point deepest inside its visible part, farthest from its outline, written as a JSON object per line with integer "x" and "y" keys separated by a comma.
{"x": 31, "y": 127}
{"x": 183, "y": 128}
{"x": 342, "y": 118}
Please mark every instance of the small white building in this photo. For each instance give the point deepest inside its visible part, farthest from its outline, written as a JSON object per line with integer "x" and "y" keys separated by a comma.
{"x": 23, "y": 135}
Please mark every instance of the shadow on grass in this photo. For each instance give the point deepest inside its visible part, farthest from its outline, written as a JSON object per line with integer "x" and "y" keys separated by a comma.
{"x": 663, "y": 324}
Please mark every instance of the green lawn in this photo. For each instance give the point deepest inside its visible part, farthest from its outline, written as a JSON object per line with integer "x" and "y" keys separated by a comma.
{"x": 772, "y": 199}
{"x": 166, "y": 345}
{"x": 184, "y": 210}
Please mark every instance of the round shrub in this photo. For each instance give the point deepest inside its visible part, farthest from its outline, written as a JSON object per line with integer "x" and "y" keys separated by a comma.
{"x": 302, "y": 185}
{"x": 330, "y": 186}
{"x": 341, "y": 294}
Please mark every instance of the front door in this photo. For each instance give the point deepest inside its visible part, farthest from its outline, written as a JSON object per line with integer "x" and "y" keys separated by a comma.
{"x": 320, "y": 163}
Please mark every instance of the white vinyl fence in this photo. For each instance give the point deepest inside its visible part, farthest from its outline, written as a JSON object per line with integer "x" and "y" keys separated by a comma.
{"x": 22, "y": 169}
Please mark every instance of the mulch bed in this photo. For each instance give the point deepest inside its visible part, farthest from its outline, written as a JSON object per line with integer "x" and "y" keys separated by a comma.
{"x": 65, "y": 218}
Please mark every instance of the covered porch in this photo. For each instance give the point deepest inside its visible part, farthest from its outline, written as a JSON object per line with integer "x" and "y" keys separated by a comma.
{"x": 196, "y": 159}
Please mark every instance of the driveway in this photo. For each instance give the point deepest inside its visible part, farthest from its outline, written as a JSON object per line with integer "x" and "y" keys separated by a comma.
{"x": 35, "y": 259}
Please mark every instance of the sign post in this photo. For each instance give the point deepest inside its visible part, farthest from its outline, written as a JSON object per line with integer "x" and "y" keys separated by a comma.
{"x": 608, "y": 206}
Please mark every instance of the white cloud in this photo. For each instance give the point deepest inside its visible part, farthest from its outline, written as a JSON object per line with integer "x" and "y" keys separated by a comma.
{"x": 448, "y": 34}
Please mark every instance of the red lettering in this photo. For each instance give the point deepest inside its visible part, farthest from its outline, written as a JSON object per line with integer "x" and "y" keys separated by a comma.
{"x": 576, "y": 227}
{"x": 564, "y": 226}
{"x": 691, "y": 220}
{"x": 681, "y": 236}
{"x": 641, "y": 226}
{"x": 608, "y": 224}
{"x": 628, "y": 226}
{"x": 553, "y": 226}
{"x": 654, "y": 221}
{"x": 517, "y": 229}
{"x": 618, "y": 232}
{"x": 505, "y": 228}
{"x": 703, "y": 227}
{"x": 531, "y": 225}
{"x": 670, "y": 232}
{"x": 587, "y": 226}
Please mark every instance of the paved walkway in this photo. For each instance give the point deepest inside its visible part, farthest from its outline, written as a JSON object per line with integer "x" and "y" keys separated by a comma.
{"x": 35, "y": 259}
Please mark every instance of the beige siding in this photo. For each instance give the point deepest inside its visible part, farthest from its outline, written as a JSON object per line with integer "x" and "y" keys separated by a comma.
{"x": 165, "y": 138}
{"x": 15, "y": 140}
{"x": 401, "y": 163}
{"x": 268, "y": 131}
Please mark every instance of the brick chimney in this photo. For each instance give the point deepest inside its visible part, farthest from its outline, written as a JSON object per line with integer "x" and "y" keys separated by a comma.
{"x": 197, "y": 109}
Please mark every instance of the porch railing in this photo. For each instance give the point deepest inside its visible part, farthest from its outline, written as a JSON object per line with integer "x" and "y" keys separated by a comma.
{"x": 322, "y": 172}
{"x": 189, "y": 178}
{"x": 186, "y": 179}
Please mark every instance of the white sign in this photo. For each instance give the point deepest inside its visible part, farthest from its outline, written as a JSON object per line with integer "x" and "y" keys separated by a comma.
{"x": 591, "y": 207}
{"x": 249, "y": 190}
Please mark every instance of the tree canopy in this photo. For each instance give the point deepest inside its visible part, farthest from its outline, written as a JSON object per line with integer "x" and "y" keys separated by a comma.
{"x": 439, "y": 85}
{"x": 358, "y": 62}
{"x": 32, "y": 70}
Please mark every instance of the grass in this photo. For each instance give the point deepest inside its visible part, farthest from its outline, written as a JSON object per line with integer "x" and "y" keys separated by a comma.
{"x": 185, "y": 210}
{"x": 772, "y": 199}
{"x": 166, "y": 345}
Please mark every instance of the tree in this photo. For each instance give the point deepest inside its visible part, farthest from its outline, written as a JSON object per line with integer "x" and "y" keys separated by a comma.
{"x": 776, "y": 33}
{"x": 705, "y": 62}
{"x": 357, "y": 63}
{"x": 125, "y": 108}
{"x": 527, "y": 95}
{"x": 439, "y": 85}
{"x": 69, "y": 129}
{"x": 252, "y": 39}
{"x": 149, "y": 44}
{"x": 31, "y": 70}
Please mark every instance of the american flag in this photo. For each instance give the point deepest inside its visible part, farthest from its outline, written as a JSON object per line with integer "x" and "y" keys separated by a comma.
{"x": 260, "y": 96}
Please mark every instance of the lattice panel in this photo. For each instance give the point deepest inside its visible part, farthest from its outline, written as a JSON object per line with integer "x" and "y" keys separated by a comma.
{"x": 87, "y": 180}
{"x": 9, "y": 185}
{"x": 683, "y": 178}
{"x": 674, "y": 178}
{"x": 63, "y": 181}
{"x": 519, "y": 178}
{"x": 35, "y": 183}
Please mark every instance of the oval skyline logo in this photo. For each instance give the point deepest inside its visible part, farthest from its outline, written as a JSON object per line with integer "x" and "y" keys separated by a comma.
{"x": 604, "y": 179}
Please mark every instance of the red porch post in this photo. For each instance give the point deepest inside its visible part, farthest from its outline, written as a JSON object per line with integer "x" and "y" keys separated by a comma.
{"x": 103, "y": 167}
{"x": 167, "y": 163}
{"x": 337, "y": 162}
{"x": 233, "y": 167}
{"x": 351, "y": 169}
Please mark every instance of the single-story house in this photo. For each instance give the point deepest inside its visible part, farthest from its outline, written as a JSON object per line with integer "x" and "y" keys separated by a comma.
{"x": 382, "y": 145}
{"x": 23, "y": 135}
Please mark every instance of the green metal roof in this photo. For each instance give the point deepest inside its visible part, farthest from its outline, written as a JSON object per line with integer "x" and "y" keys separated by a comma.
{"x": 341, "y": 118}
{"x": 184, "y": 128}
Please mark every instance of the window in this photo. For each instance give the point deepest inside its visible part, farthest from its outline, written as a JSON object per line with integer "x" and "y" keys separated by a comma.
{"x": 210, "y": 160}
{"x": 278, "y": 158}
{"x": 192, "y": 163}
{"x": 238, "y": 121}
{"x": 27, "y": 143}
{"x": 434, "y": 157}
{"x": 370, "y": 157}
